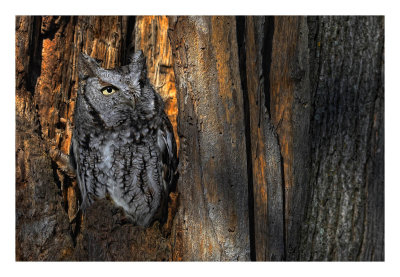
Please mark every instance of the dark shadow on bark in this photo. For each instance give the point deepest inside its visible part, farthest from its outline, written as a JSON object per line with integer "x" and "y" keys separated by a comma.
{"x": 240, "y": 33}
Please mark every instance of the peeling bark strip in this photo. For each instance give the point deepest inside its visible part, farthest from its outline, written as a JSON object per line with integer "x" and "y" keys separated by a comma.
{"x": 265, "y": 154}
{"x": 290, "y": 114}
{"x": 212, "y": 219}
{"x": 42, "y": 227}
{"x": 345, "y": 219}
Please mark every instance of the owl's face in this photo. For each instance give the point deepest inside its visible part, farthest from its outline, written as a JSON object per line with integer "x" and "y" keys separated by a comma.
{"x": 112, "y": 95}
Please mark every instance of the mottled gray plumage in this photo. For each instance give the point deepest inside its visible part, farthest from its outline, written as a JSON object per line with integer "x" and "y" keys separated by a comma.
{"x": 123, "y": 144}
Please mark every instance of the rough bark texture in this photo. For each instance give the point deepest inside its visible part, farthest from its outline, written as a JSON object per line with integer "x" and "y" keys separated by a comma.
{"x": 110, "y": 237}
{"x": 42, "y": 226}
{"x": 345, "y": 219}
{"x": 263, "y": 149}
{"x": 290, "y": 114}
{"x": 212, "y": 218}
{"x": 281, "y": 132}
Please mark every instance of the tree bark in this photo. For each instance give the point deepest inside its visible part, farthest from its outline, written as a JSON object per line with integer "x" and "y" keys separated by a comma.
{"x": 264, "y": 158}
{"x": 212, "y": 218}
{"x": 42, "y": 226}
{"x": 290, "y": 114}
{"x": 345, "y": 218}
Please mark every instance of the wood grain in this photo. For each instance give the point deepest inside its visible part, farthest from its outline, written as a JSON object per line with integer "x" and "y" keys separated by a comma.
{"x": 212, "y": 219}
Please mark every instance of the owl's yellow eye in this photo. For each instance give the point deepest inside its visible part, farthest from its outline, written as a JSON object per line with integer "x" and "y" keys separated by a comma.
{"x": 109, "y": 90}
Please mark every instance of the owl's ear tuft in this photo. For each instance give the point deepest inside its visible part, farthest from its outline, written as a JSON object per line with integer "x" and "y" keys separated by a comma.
{"x": 87, "y": 66}
{"x": 137, "y": 57}
{"x": 137, "y": 61}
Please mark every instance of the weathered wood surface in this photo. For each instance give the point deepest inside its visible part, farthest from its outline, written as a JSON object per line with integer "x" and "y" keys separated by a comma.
{"x": 212, "y": 217}
{"x": 264, "y": 154}
{"x": 345, "y": 219}
{"x": 42, "y": 225}
{"x": 290, "y": 114}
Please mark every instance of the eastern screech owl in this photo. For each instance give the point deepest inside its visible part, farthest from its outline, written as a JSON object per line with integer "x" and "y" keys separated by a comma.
{"x": 123, "y": 145}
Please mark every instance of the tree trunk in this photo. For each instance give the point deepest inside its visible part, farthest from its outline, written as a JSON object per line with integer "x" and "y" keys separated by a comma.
{"x": 42, "y": 226}
{"x": 280, "y": 123}
{"x": 264, "y": 158}
{"x": 212, "y": 218}
{"x": 345, "y": 218}
{"x": 290, "y": 114}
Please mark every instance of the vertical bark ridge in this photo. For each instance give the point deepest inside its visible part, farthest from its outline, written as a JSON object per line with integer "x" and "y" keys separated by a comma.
{"x": 263, "y": 154}
{"x": 42, "y": 227}
{"x": 348, "y": 105}
{"x": 241, "y": 31}
{"x": 290, "y": 114}
{"x": 212, "y": 219}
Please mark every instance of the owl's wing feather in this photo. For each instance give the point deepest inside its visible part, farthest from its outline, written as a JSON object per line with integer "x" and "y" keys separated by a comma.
{"x": 72, "y": 159}
{"x": 166, "y": 143}
{"x": 76, "y": 165}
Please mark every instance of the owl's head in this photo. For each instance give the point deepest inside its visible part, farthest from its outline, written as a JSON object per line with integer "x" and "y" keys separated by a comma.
{"x": 117, "y": 95}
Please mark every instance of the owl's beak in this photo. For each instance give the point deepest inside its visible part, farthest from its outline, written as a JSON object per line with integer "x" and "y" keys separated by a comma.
{"x": 130, "y": 103}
